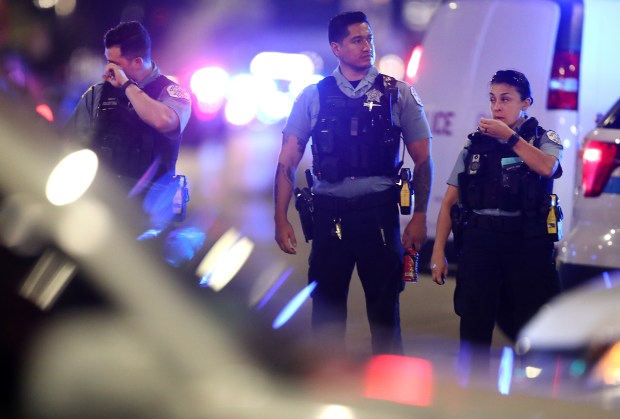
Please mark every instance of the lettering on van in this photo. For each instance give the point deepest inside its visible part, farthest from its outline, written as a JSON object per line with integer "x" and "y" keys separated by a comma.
{"x": 441, "y": 122}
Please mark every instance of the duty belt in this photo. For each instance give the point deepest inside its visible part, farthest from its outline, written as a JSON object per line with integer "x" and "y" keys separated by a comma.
{"x": 376, "y": 199}
{"x": 499, "y": 224}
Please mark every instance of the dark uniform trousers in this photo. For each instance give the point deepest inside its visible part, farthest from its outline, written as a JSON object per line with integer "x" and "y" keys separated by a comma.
{"x": 505, "y": 275}
{"x": 370, "y": 240}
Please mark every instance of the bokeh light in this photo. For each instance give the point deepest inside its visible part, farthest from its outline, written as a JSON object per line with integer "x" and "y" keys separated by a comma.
{"x": 72, "y": 177}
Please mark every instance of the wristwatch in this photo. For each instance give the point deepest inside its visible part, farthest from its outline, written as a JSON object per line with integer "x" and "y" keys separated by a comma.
{"x": 128, "y": 83}
{"x": 512, "y": 140}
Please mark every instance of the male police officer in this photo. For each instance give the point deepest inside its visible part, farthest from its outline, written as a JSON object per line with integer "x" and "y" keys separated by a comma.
{"x": 356, "y": 118}
{"x": 134, "y": 119}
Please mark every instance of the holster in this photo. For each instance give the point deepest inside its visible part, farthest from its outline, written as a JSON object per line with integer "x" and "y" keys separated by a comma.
{"x": 554, "y": 218}
{"x": 181, "y": 198}
{"x": 304, "y": 204}
{"x": 460, "y": 218}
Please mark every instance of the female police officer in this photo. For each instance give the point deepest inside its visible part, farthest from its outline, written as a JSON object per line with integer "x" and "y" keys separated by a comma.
{"x": 502, "y": 182}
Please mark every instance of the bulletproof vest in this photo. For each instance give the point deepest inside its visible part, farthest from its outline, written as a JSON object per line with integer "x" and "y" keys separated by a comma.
{"x": 126, "y": 144}
{"x": 495, "y": 177}
{"x": 355, "y": 137}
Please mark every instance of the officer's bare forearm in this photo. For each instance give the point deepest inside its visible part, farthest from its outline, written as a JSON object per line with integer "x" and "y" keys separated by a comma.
{"x": 283, "y": 189}
{"x": 422, "y": 181}
{"x": 444, "y": 221}
{"x": 543, "y": 164}
{"x": 151, "y": 111}
{"x": 288, "y": 160}
{"x": 444, "y": 225}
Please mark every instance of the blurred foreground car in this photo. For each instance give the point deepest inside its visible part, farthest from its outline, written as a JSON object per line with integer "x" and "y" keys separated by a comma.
{"x": 593, "y": 245}
{"x": 161, "y": 349}
{"x": 582, "y": 324}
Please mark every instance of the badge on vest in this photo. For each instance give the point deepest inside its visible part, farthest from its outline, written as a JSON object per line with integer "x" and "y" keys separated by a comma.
{"x": 373, "y": 96}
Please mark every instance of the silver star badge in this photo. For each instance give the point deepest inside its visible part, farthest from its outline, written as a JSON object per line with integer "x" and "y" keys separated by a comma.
{"x": 373, "y": 96}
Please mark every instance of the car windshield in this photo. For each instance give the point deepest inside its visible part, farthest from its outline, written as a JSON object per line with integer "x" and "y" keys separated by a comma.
{"x": 612, "y": 118}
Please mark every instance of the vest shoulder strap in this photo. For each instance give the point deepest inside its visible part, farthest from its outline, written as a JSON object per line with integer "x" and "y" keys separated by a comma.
{"x": 155, "y": 87}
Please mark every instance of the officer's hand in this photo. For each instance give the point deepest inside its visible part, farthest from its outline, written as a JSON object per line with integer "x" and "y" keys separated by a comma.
{"x": 415, "y": 232}
{"x": 115, "y": 75}
{"x": 285, "y": 237}
{"x": 439, "y": 269}
{"x": 495, "y": 128}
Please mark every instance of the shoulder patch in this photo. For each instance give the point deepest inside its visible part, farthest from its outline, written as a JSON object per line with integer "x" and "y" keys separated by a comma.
{"x": 416, "y": 96}
{"x": 554, "y": 137}
{"x": 174, "y": 90}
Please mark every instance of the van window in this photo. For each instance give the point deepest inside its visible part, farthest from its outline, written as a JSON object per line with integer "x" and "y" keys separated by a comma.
{"x": 612, "y": 119}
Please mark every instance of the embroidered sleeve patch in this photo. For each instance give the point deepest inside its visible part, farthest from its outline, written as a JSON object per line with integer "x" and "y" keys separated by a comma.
{"x": 174, "y": 90}
{"x": 415, "y": 96}
{"x": 554, "y": 137}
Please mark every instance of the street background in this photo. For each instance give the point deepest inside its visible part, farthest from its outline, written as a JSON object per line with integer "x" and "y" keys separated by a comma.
{"x": 231, "y": 181}
{"x": 230, "y": 166}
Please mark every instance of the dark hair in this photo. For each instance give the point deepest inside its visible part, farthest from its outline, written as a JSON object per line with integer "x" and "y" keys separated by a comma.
{"x": 132, "y": 38}
{"x": 516, "y": 79}
{"x": 338, "y": 28}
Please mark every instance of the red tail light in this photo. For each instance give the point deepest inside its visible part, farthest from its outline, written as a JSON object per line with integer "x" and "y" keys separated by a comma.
{"x": 564, "y": 81}
{"x": 599, "y": 161}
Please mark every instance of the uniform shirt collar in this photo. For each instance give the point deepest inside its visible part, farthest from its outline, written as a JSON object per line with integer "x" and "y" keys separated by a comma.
{"x": 151, "y": 76}
{"x": 363, "y": 86}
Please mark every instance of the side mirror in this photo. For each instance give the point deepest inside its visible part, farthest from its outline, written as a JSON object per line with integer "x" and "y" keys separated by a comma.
{"x": 598, "y": 118}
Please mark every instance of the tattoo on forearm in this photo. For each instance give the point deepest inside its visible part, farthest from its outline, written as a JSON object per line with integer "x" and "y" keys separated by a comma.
{"x": 422, "y": 180}
{"x": 283, "y": 172}
{"x": 286, "y": 172}
{"x": 290, "y": 175}
{"x": 301, "y": 145}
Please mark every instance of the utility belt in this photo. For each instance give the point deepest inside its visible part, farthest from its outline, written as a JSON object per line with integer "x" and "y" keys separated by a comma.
{"x": 496, "y": 223}
{"x": 373, "y": 200}
{"x": 306, "y": 202}
{"x": 530, "y": 224}
{"x": 173, "y": 189}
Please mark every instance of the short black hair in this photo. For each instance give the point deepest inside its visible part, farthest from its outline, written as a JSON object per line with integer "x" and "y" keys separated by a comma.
{"x": 516, "y": 79}
{"x": 132, "y": 38}
{"x": 338, "y": 28}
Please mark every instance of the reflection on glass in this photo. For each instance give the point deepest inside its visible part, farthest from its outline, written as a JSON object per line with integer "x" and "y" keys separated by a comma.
{"x": 276, "y": 286}
{"x": 505, "y": 371}
{"x": 71, "y": 177}
{"x": 399, "y": 379}
{"x": 224, "y": 260}
{"x": 294, "y": 305}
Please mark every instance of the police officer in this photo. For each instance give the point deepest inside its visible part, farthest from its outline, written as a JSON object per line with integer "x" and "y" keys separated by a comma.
{"x": 134, "y": 119}
{"x": 503, "y": 178}
{"x": 356, "y": 118}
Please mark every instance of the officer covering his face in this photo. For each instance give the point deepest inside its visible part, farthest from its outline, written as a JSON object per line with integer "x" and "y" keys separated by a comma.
{"x": 134, "y": 121}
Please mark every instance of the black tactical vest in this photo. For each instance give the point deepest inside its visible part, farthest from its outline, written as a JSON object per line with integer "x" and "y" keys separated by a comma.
{"x": 495, "y": 177}
{"x": 126, "y": 144}
{"x": 355, "y": 137}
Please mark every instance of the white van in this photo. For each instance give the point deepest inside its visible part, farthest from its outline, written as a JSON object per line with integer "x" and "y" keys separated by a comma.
{"x": 566, "y": 48}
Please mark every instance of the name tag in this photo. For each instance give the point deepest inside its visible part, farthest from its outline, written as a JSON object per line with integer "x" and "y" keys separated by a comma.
{"x": 511, "y": 162}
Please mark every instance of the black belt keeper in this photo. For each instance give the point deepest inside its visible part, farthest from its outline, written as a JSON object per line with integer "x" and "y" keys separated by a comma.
{"x": 499, "y": 224}
{"x": 376, "y": 199}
